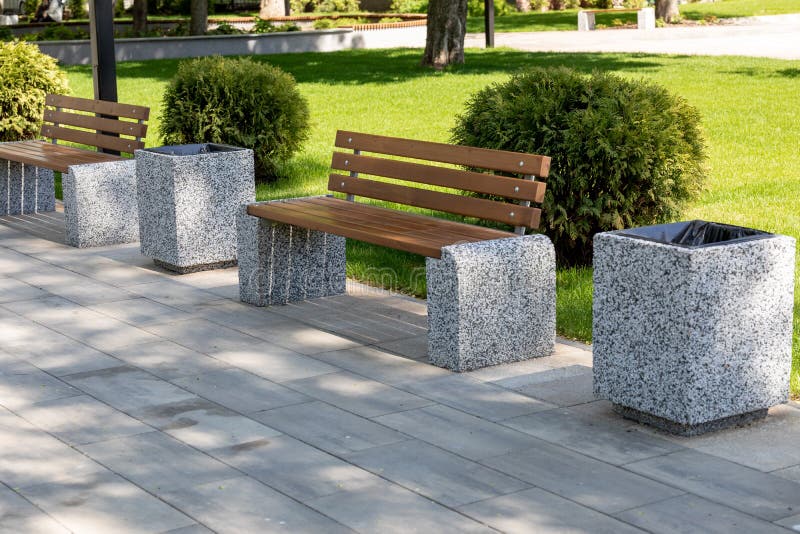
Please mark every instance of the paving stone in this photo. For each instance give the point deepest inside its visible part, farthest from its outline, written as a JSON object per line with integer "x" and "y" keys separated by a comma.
{"x": 381, "y": 366}
{"x": 168, "y": 360}
{"x": 11, "y": 290}
{"x": 127, "y": 388}
{"x": 249, "y": 319}
{"x": 275, "y": 363}
{"x": 535, "y": 510}
{"x": 244, "y": 505}
{"x": 307, "y": 340}
{"x": 73, "y": 286}
{"x": 140, "y": 311}
{"x": 64, "y": 356}
{"x": 387, "y": 508}
{"x": 241, "y": 391}
{"x": 329, "y": 428}
{"x": 475, "y": 397}
{"x": 688, "y": 513}
{"x": 567, "y": 391}
{"x": 191, "y": 529}
{"x": 792, "y": 523}
{"x": 157, "y": 462}
{"x": 82, "y": 419}
{"x": 457, "y": 432}
{"x": 581, "y": 479}
{"x": 31, "y": 456}
{"x": 105, "y": 503}
{"x": 415, "y": 347}
{"x": 356, "y": 394}
{"x": 511, "y": 375}
{"x": 102, "y": 269}
{"x": 439, "y": 475}
{"x": 294, "y": 468}
{"x": 171, "y": 292}
{"x": 790, "y": 473}
{"x": 18, "y": 515}
{"x": 203, "y": 336}
{"x": 742, "y": 488}
{"x": 23, "y": 384}
{"x": 205, "y": 425}
{"x": 597, "y": 438}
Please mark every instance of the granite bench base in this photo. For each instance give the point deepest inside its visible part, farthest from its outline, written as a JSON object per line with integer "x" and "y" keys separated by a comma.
{"x": 692, "y": 339}
{"x": 25, "y": 189}
{"x": 489, "y": 302}
{"x": 100, "y": 205}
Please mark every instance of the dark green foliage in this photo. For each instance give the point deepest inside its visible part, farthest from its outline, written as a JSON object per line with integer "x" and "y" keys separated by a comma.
{"x": 77, "y": 9}
{"x": 225, "y": 29}
{"x": 26, "y": 76}
{"x": 324, "y": 6}
{"x": 238, "y": 102}
{"x": 409, "y": 6}
{"x": 475, "y": 8}
{"x": 265, "y": 26}
{"x": 6, "y": 34}
{"x": 624, "y": 153}
{"x": 57, "y": 32}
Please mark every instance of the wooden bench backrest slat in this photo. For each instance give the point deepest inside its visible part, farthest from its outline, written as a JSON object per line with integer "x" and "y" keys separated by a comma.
{"x": 114, "y": 109}
{"x": 441, "y": 176}
{"x": 497, "y": 160}
{"x": 63, "y": 118}
{"x": 458, "y": 204}
{"x": 92, "y": 139}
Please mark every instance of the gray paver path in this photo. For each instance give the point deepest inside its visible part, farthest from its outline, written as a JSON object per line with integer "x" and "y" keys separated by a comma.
{"x": 134, "y": 400}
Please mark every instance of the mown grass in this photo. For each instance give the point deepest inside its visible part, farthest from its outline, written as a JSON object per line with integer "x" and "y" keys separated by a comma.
{"x": 748, "y": 105}
{"x": 568, "y": 19}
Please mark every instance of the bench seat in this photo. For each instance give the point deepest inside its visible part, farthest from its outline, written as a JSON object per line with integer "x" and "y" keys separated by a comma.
{"x": 52, "y": 156}
{"x": 410, "y": 232}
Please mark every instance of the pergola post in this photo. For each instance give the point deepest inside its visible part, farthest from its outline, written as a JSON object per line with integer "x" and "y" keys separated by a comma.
{"x": 488, "y": 18}
{"x": 104, "y": 63}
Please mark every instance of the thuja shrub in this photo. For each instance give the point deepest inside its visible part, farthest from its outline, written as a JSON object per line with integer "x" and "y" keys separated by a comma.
{"x": 26, "y": 76}
{"x": 624, "y": 153}
{"x": 237, "y": 102}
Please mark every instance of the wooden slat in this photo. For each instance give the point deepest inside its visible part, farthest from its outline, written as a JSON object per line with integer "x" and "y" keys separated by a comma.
{"x": 441, "y": 176}
{"x": 49, "y": 156}
{"x": 92, "y": 139}
{"x": 411, "y": 220}
{"x": 133, "y": 129}
{"x": 101, "y": 107}
{"x": 484, "y": 158}
{"x": 434, "y": 200}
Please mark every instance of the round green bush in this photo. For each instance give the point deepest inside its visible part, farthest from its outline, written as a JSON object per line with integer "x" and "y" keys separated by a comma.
{"x": 26, "y": 76}
{"x": 238, "y": 102}
{"x": 624, "y": 153}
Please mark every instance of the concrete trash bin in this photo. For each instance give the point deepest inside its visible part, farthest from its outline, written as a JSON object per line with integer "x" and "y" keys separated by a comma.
{"x": 189, "y": 197}
{"x": 693, "y": 323}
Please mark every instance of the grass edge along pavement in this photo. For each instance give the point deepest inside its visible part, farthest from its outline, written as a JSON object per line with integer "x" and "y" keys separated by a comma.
{"x": 754, "y": 175}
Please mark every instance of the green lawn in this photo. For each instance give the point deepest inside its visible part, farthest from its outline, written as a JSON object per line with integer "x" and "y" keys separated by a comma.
{"x": 749, "y": 114}
{"x": 568, "y": 19}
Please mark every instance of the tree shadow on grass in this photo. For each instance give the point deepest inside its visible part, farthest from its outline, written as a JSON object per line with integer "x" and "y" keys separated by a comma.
{"x": 354, "y": 67}
{"x": 755, "y": 72}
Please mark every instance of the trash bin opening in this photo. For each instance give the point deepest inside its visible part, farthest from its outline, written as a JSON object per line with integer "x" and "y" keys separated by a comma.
{"x": 697, "y": 233}
{"x": 193, "y": 150}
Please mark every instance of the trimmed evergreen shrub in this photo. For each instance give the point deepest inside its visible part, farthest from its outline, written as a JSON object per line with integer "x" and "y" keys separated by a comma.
{"x": 238, "y": 102}
{"x": 624, "y": 153}
{"x": 26, "y": 76}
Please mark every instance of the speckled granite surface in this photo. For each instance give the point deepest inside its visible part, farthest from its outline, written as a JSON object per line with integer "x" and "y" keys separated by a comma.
{"x": 693, "y": 335}
{"x": 279, "y": 263}
{"x": 25, "y": 189}
{"x": 100, "y": 204}
{"x": 188, "y": 206}
{"x": 491, "y": 302}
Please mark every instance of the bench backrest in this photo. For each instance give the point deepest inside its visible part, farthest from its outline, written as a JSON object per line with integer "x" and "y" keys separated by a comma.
{"x": 89, "y": 122}
{"x": 529, "y": 166}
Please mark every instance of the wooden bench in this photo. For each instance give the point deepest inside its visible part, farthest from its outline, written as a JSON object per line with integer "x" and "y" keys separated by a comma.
{"x": 645, "y": 17}
{"x": 293, "y": 249}
{"x": 109, "y": 129}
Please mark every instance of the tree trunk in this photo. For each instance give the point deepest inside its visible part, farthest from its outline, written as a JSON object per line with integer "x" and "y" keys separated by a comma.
{"x": 199, "y": 21}
{"x": 523, "y": 5}
{"x": 447, "y": 22}
{"x": 667, "y": 10}
{"x": 272, "y": 8}
{"x": 139, "y": 16}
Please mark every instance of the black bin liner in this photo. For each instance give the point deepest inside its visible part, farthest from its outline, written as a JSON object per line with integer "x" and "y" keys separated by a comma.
{"x": 695, "y": 233}
{"x": 193, "y": 150}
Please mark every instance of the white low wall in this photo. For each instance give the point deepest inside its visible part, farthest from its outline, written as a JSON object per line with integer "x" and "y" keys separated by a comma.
{"x": 78, "y": 52}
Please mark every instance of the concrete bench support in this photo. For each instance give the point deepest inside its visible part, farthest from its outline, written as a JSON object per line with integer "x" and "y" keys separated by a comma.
{"x": 645, "y": 18}
{"x": 585, "y": 21}
{"x": 100, "y": 205}
{"x": 491, "y": 302}
{"x": 279, "y": 263}
{"x": 25, "y": 189}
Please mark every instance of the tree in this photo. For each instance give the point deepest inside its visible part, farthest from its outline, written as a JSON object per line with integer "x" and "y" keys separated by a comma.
{"x": 667, "y": 10}
{"x": 272, "y": 8}
{"x": 139, "y": 16}
{"x": 199, "y": 17}
{"x": 447, "y": 23}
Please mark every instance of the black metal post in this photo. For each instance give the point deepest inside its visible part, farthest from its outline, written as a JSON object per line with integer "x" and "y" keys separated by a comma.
{"x": 104, "y": 62}
{"x": 488, "y": 19}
